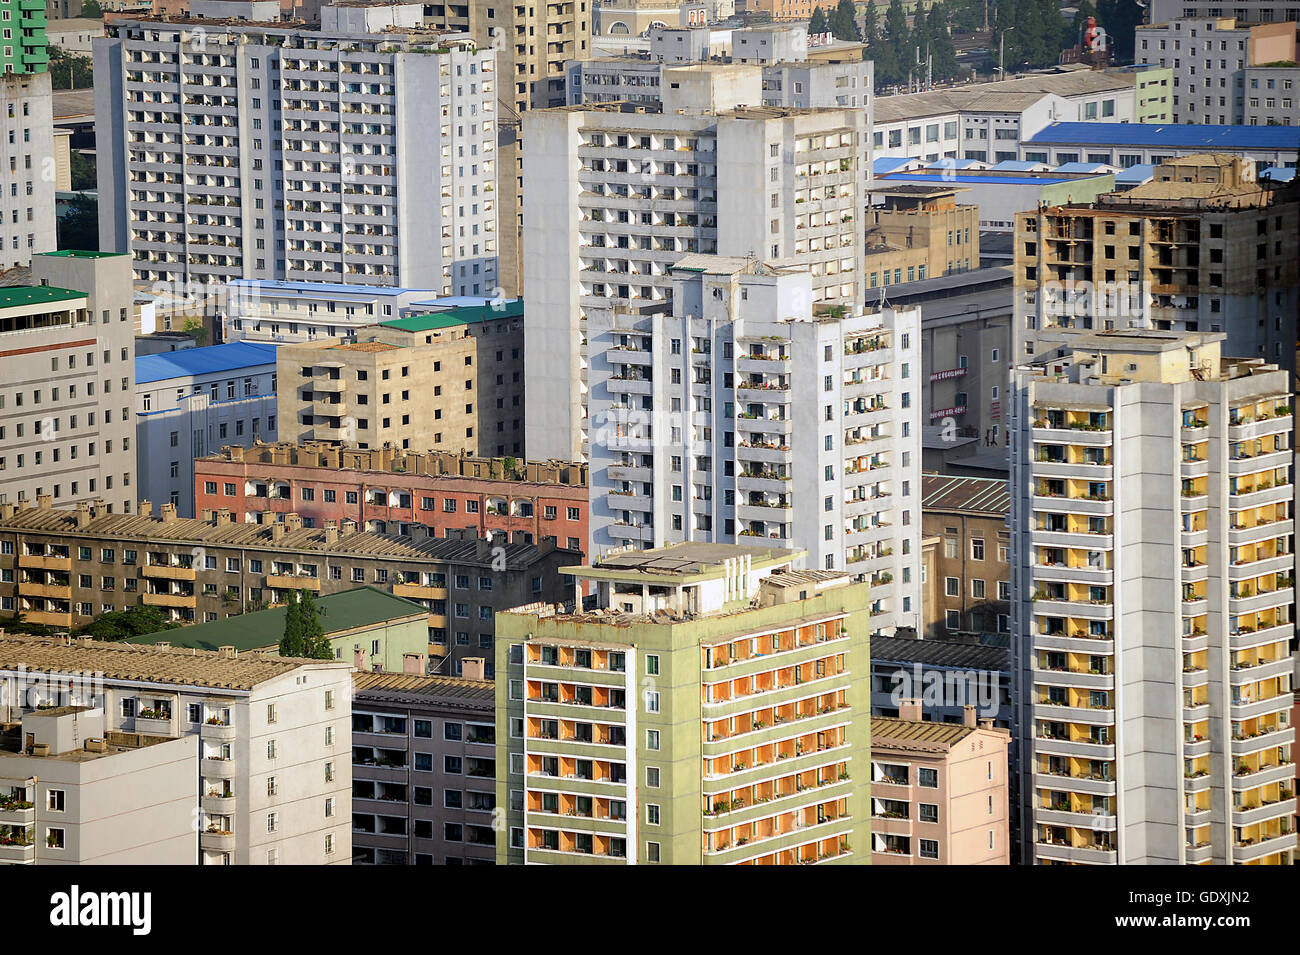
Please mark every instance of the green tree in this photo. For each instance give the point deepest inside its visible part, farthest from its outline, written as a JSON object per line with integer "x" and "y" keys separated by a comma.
{"x": 895, "y": 47}
{"x": 82, "y": 171}
{"x": 70, "y": 71}
{"x": 315, "y": 646}
{"x": 844, "y": 21}
{"x": 123, "y": 624}
{"x": 1121, "y": 19}
{"x": 195, "y": 327}
{"x": 91, "y": 10}
{"x": 291, "y": 643}
{"x": 817, "y": 23}
{"x": 78, "y": 227}
{"x": 943, "y": 55}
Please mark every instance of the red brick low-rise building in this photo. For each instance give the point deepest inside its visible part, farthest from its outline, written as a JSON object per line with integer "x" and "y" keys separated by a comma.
{"x": 386, "y": 490}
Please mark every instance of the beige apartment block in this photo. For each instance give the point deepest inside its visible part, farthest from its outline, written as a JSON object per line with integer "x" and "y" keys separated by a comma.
{"x": 917, "y": 231}
{"x": 939, "y": 791}
{"x": 74, "y": 793}
{"x": 446, "y": 381}
{"x": 67, "y": 349}
{"x": 273, "y": 761}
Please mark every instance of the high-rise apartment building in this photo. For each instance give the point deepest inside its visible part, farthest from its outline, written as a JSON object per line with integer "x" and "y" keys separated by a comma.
{"x": 359, "y": 153}
{"x": 617, "y": 194}
{"x": 67, "y": 345}
{"x": 271, "y": 779}
{"x": 708, "y": 705}
{"x": 746, "y": 416}
{"x": 1153, "y": 602}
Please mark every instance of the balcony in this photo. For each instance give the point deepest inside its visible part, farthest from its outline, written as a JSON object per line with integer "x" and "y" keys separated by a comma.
{"x": 419, "y": 592}
{"x": 168, "y": 600}
{"x": 1082, "y": 855}
{"x": 50, "y": 618}
{"x": 1094, "y": 821}
{"x": 1050, "y": 746}
{"x": 16, "y": 853}
{"x": 216, "y": 768}
{"x": 1248, "y": 852}
{"x": 217, "y": 732}
{"x": 168, "y": 572}
{"x": 33, "y": 589}
{"x": 1281, "y": 773}
{"x": 13, "y": 813}
{"x": 217, "y": 840}
{"x": 34, "y": 562}
{"x": 292, "y": 582}
{"x": 1248, "y": 817}
{"x": 1075, "y": 436}
{"x": 1088, "y": 785}
{"x": 221, "y": 805}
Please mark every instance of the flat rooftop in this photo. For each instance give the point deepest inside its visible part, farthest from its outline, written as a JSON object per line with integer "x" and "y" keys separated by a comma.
{"x": 454, "y": 317}
{"x": 1169, "y": 135}
{"x": 689, "y": 559}
{"x": 211, "y": 359}
{"x": 19, "y": 296}
{"x": 938, "y": 653}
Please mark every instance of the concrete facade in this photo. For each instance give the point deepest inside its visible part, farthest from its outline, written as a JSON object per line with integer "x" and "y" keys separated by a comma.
{"x": 67, "y": 346}
{"x": 722, "y": 176}
{"x": 388, "y": 491}
{"x": 27, "y": 220}
{"x": 424, "y": 780}
{"x": 78, "y": 795}
{"x": 309, "y": 137}
{"x": 939, "y": 791}
{"x": 303, "y": 311}
{"x": 972, "y": 563}
{"x": 450, "y": 381}
{"x": 192, "y": 402}
{"x": 1153, "y": 603}
{"x": 705, "y": 431}
{"x": 619, "y": 741}
{"x": 272, "y": 757}
{"x": 1220, "y": 71}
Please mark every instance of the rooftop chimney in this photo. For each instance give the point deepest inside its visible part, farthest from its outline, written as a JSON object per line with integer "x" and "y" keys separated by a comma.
{"x": 168, "y": 513}
{"x": 83, "y": 513}
{"x": 349, "y": 526}
{"x": 44, "y": 501}
{"x": 224, "y": 516}
{"x": 145, "y": 508}
{"x": 162, "y": 645}
{"x": 909, "y": 710}
{"x": 968, "y": 717}
{"x": 8, "y": 510}
{"x": 331, "y": 531}
{"x": 293, "y": 521}
{"x": 473, "y": 668}
{"x": 227, "y": 652}
{"x": 278, "y": 530}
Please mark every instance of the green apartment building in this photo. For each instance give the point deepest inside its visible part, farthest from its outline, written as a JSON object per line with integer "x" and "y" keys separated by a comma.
{"x": 23, "y": 49}
{"x": 708, "y": 704}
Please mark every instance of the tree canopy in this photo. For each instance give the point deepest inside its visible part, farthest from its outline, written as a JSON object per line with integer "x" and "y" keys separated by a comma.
{"x": 122, "y": 624}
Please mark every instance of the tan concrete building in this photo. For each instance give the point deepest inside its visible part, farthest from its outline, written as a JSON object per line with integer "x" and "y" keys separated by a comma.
{"x": 939, "y": 791}
{"x": 918, "y": 231}
{"x": 269, "y": 782}
{"x": 67, "y": 397}
{"x": 62, "y": 568}
{"x": 72, "y": 793}
{"x": 451, "y": 381}
{"x": 971, "y": 577}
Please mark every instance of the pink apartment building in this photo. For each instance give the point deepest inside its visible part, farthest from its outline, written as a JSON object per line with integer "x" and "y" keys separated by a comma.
{"x": 938, "y": 790}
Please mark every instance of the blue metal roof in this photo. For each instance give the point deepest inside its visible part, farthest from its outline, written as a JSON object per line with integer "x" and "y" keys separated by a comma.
{"x": 1018, "y": 165}
{"x": 325, "y": 287}
{"x": 213, "y": 359}
{"x": 455, "y": 301}
{"x": 1278, "y": 173}
{"x": 978, "y": 179}
{"x": 1172, "y": 135}
{"x": 887, "y": 164}
{"x": 1142, "y": 172}
{"x": 1073, "y": 167}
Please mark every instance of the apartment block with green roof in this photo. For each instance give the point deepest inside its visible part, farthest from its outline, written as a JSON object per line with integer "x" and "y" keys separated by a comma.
{"x": 708, "y": 705}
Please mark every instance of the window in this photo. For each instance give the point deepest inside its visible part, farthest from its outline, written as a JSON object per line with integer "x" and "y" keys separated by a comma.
{"x": 651, "y": 814}
{"x": 270, "y": 713}
{"x": 929, "y": 778}
{"x": 929, "y": 849}
{"x": 272, "y": 750}
{"x": 977, "y": 548}
{"x": 54, "y": 800}
{"x": 329, "y": 806}
{"x": 272, "y": 821}
{"x": 54, "y": 838}
{"x": 652, "y": 852}
{"x": 928, "y": 812}
{"x": 652, "y": 777}
{"x": 652, "y": 664}
{"x": 952, "y": 586}
{"x": 652, "y": 739}
{"x": 329, "y": 844}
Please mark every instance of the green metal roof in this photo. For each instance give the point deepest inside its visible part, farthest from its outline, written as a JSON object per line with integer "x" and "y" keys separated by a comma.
{"x": 360, "y": 607}
{"x": 20, "y": 295}
{"x": 80, "y": 254}
{"x": 456, "y": 316}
